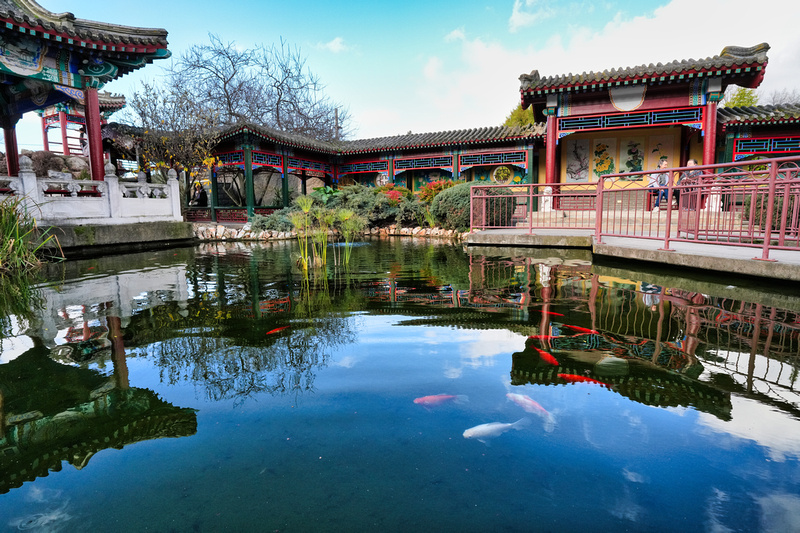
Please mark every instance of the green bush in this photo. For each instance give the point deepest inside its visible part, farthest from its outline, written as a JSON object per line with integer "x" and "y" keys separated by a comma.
{"x": 368, "y": 202}
{"x": 760, "y": 209}
{"x": 432, "y": 189}
{"x": 410, "y": 213}
{"x": 275, "y": 221}
{"x": 450, "y": 208}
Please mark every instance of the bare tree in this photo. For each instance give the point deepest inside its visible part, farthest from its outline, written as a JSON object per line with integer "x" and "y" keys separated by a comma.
{"x": 781, "y": 97}
{"x": 267, "y": 85}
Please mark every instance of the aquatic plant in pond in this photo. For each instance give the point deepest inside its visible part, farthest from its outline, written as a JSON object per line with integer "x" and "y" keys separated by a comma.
{"x": 21, "y": 240}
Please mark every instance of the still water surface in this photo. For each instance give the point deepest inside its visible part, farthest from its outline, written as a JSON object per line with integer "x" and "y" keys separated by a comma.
{"x": 423, "y": 388}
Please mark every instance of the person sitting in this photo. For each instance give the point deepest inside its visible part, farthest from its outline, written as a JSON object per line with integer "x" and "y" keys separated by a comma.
{"x": 660, "y": 180}
{"x": 199, "y": 196}
{"x": 690, "y": 177}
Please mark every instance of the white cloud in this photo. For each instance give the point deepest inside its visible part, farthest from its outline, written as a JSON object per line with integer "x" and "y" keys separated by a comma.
{"x": 335, "y": 45}
{"x": 527, "y": 14}
{"x": 455, "y": 35}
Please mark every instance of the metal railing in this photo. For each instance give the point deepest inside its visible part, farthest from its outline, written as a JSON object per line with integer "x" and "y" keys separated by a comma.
{"x": 753, "y": 204}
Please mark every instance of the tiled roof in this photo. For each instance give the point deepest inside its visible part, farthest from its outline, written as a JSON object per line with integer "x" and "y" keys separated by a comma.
{"x": 774, "y": 114}
{"x": 28, "y": 14}
{"x": 728, "y": 61}
{"x": 476, "y": 136}
{"x": 110, "y": 101}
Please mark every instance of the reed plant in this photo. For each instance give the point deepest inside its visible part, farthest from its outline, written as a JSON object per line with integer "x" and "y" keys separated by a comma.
{"x": 351, "y": 226}
{"x": 21, "y": 244}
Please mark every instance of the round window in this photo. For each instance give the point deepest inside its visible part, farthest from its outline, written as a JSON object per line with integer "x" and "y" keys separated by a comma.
{"x": 502, "y": 175}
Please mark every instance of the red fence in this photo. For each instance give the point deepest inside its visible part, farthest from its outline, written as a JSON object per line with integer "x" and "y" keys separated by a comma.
{"x": 753, "y": 204}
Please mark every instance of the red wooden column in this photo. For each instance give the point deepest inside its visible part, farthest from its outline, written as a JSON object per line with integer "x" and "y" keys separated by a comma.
{"x": 92, "y": 105}
{"x": 45, "y": 144}
{"x": 9, "y": 124}
{"x": 713, "y": 96}
{"x": 62, "y": 123}
{"x": 551, "y": 143}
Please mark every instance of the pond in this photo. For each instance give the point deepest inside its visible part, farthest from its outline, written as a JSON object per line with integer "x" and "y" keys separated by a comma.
{"x": 422, "y": 387}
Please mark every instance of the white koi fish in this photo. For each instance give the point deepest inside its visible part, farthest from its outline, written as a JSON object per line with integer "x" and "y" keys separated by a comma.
{"x": 532, "y": 406}
{"x": 493, "y": 429}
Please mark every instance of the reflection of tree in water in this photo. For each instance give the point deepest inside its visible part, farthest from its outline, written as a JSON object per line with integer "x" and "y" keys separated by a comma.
{"x": 232, "y": 354}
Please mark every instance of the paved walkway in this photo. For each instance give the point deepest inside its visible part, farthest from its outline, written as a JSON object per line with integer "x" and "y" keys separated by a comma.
{"x": 718, "y": 257}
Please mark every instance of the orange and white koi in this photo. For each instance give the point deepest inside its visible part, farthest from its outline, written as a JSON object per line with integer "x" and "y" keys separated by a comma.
{"x": 529, "y": 405}
{"x": 546, "y": 357}
{"x": 575, "y": 378}
{"x": 438, "y": 399}
{"x": 276, "y": 330}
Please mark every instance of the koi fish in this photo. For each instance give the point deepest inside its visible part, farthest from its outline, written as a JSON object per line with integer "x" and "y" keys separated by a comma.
{"x": 574, "y": 378}
{"x": 543, "y": 337}
{"x": 276, "y": 330}
{"x": 532, "y": 406}
{"x": 582, "y": 330}
{"x": 493, "y": 429}
{"x": 546, "y": 357}
{"x": 438, "y": 399}
{"x": 551, "y": 313}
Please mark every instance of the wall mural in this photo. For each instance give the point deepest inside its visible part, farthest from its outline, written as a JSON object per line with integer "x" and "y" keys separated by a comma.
{"x": 631, "y": 155}
{"x": 604, "y": 152}
{"x": 660, "y": 147}
{"x": 577, "y": 160}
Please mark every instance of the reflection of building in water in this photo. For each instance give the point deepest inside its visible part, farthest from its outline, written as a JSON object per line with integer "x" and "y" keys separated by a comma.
{"x": 51, "y": 413}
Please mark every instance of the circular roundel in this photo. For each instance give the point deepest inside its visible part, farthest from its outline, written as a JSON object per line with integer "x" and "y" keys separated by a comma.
{"x": 502, "y": 175}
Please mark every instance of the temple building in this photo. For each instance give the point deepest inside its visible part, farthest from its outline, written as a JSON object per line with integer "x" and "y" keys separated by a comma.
{"x": 47, "y": 59}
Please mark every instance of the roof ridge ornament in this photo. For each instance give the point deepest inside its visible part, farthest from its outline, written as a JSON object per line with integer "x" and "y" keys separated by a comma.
{"x": 740, "y": 52}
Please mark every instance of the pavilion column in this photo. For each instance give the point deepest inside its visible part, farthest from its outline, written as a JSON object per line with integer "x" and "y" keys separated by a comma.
{"x": 285, "y": 177}
{"x": 9, "y": 124}
{"x": 62, "y": 124}
{"x": 249, "y": 190}
{"x": 551, "y": 143}
{"x": 45, "y": 144}
{"x": 714, "y": 94}
{"x": 93, "y": 122}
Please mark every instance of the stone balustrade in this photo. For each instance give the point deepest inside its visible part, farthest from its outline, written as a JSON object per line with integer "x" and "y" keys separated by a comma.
{"x": 59, "y": 199}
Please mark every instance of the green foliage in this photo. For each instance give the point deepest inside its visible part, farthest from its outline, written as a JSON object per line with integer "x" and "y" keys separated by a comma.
{"x": 21, "y": 241}
{"x": 450, "y": 208}
{"x": 324, "y": 194}
{"x": 275, "y": 221}
{"x": 520, "y": 117}
{"x": 371, "y": 204}
{"x": 430, "y": 190}
{"x": 759, "y": 208}
{"x": 740, "y": 97}
{"x": 411, "y": 212}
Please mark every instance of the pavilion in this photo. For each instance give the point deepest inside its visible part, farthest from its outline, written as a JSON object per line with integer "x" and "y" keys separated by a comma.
{"x": 47, "y": 59}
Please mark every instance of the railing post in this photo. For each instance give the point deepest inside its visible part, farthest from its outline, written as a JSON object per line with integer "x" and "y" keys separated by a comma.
{"x": 174, "y": 194}
{"x": 530, "y": 207}
{"x": 31, "y": 193}
{"x": 668, "y": 229}
{"x": 598, "y": 212}
{"x": 773, "y": 174}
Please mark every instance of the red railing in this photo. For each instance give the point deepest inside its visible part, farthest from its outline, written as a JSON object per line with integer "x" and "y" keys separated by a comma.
{"x": 753, "y": 204}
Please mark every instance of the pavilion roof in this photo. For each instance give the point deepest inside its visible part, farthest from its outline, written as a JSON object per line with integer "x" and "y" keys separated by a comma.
{"x": 475, "y": 136}
{"x": 29, "y": 17}
{"x": 733, "y": 61}
{"x": 761, "y": 114}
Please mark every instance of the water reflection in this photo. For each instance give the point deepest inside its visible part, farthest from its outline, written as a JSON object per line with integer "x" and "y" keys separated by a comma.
{"x": 239, "y": 326}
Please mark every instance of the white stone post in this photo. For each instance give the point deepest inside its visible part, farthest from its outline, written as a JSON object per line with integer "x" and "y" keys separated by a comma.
{"x": 113, "y": 193}
{"x": 547, "y": 200}
{"x": 174, "y": 194}
{"x": 31, "y": 193}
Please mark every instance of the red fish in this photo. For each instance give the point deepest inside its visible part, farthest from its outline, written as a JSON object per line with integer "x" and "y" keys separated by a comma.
{"x": 575, "y": 378}
{"x": 543, "y": 337}
{"x": 551, "y": 313}
{"x": 582, "y": 330}
{"x": 546, "y": 357}
{"x": 438, "y": 399}
{"x": 276, "y": 330}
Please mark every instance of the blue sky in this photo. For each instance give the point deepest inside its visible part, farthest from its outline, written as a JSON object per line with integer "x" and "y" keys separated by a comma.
{"x": 434, "y": 66}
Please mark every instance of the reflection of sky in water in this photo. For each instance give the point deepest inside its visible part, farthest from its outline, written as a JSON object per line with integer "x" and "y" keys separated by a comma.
{"x": 776, "y": 431}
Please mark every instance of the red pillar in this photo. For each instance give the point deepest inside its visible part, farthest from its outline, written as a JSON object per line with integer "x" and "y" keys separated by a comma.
{"x": 93, "y": 122}
{"x": 551, "y": 142}
{"x": 12, "y": 151}
{"x": 45, "y": 144}
{"x": 62, "y": 124}
{"x": 710, "y": 127}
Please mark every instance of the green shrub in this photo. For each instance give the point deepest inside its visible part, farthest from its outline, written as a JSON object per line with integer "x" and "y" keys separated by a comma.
{"x": 368, "y": 202}
{"x": 450, "y": 208}
{"x": 410, "y": 213}
{"x": 21, "y": 241}
{"x": 432, "y": 189}
{"x": 760, "y": 209}
{"x": 275, "y": 221}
